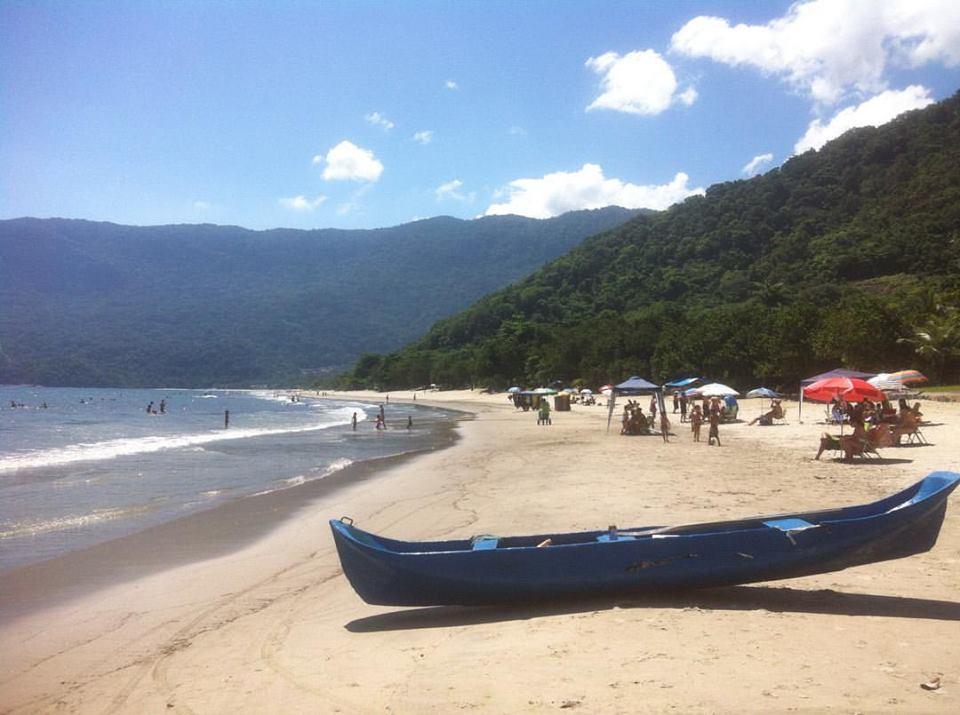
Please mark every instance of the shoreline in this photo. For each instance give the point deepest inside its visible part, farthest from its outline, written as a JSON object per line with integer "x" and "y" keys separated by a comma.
{"x": 195, "y": 537}
{"x": 275, "y": 625}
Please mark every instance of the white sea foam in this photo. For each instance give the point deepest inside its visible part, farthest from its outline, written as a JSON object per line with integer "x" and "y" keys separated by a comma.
{"x": 111, "y": 449}
{"x": 332, "y": 468}
{"x": 70, "y": 521}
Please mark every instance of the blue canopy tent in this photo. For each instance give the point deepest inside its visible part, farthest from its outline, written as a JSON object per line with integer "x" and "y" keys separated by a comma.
{"x": 631, "y": 387}
{"x": 837, "y": 372}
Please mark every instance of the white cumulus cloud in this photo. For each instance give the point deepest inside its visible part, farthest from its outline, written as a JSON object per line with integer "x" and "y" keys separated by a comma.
{"x": 348, "y": 162}
{"x": 200, "y": 205}
{"x": 562, "y": 191}
{"x": 451, "y": 190}
{"x": 451, "y": 85}
{"x": 378, "y": 120}
{"x": 753, "y": 166}
{"x": 639, "y": 82}
{"x": 871, "y": 113}
{"x": 423, "y": 137}
{"x": 826, "y": 48}
{"x": 302, "y": 203}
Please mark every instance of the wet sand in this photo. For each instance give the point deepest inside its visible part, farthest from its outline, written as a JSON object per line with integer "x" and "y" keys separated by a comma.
{"x": 274, "y": 626}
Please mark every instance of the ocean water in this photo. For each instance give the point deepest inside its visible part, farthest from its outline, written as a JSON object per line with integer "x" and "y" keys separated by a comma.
{"x": 94, "y": 465}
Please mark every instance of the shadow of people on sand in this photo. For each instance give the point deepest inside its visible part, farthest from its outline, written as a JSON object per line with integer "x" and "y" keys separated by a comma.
{"x": 873, "y": 461}
{"x": 733, "y": 598}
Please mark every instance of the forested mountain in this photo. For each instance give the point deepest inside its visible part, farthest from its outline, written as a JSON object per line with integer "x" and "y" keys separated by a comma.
{"x": 847, "y": 255}
{"x": 84, "y": 303}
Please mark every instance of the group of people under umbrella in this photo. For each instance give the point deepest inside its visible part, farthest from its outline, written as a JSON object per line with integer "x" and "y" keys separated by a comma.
{"x": 865, "y": 405}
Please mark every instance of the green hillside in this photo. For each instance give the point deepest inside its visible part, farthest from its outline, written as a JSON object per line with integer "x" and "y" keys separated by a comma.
{"x": 849, "y": 255}
{"x": 84, "y": 303}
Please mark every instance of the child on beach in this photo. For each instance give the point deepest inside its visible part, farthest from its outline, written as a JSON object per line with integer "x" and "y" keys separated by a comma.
{"x": 696, "y": 419}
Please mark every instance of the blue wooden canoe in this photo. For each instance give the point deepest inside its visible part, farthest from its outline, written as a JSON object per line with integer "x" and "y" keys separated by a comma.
{"x": 489, "y": 569}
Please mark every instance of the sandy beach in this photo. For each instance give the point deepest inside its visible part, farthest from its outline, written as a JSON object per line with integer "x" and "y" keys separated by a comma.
{"x": 275, "y": 627}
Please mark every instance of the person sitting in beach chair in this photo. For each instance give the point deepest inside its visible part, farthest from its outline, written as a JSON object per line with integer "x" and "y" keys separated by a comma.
{"x": 908, "y": 426}
{"x": 861, "y": 443}
{"x": 838, "y": 411}
{"x": 888, "y": 413}
{"x": 766, "y": 419}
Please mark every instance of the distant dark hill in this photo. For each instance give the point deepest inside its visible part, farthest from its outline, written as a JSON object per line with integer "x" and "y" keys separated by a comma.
{"x": 849, "y": 255}
{"x": 85, "y": 303}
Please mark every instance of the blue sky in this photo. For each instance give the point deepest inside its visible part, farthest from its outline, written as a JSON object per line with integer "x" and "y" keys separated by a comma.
{"x": 366, "y": 114}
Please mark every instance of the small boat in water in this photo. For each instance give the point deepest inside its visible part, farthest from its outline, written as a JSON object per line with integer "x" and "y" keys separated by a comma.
{"x": 491, "y": 569}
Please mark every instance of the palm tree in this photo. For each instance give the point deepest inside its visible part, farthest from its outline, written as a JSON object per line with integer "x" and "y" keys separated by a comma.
{"x": 937, "y": 341}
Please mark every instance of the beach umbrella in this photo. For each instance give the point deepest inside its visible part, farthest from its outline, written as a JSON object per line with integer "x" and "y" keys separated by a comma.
{"x": 586, "y": 391}
{"x": 849, "y": 388}
{"x": 716, "y": 389}
{"x": 883, "y": 382}
{"x": 544, "y": 391}
{"x": 513, "y": 389}
{"x": 907, "y": 376}
{"x": 684, "y": 382}
{"x": 570, "y": 391}
{"x": 762, "y": 392}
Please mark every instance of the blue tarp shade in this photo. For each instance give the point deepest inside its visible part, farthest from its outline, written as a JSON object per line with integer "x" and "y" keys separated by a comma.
{"x": 636, "y": 386}
{"x": 839, "y": 372}
{"x": 682, "y": 383}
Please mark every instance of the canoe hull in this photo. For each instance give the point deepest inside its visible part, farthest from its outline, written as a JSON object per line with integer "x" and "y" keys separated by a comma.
{"x": 387, "y": 572}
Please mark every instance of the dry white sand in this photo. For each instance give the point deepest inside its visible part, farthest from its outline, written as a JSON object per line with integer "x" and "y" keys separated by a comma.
{"x": 275, "y": 627}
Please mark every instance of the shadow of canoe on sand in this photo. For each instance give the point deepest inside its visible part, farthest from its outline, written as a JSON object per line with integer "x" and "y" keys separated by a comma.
{"x": 780, "y": 599}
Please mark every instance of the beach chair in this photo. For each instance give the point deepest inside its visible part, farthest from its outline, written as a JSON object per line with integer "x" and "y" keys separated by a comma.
{"x": 909, "y": 427}
{"x": 829, "y": 443}
{"x": 866, "y": 446}
{"x": 863, "y": 445}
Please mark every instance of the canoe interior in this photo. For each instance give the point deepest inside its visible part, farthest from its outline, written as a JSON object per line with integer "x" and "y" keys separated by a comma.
{"x": 925, "y": 489}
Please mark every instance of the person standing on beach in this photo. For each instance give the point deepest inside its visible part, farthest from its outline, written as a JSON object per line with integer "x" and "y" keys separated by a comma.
{"x": 353, "y": 421}
{"x": 664, "y": 427}
{"x": 714, "y": 433}
{"x": 676, "y": 402}
{"x": 696, "y": 419}
{"x": 226, "y": 419}
{"x": 683, "y": 407}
